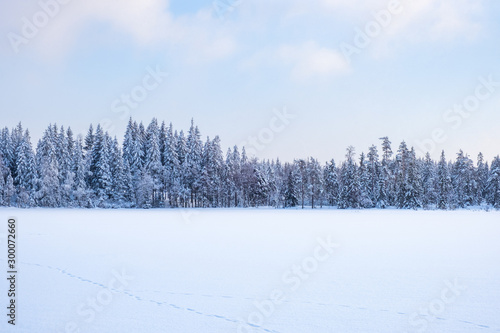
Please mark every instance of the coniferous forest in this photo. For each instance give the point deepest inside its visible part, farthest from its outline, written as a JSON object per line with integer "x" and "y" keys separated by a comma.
{"x": 157, "y": 166}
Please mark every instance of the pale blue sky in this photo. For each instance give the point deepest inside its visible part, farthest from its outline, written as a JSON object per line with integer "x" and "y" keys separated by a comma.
{"x": 232, "y": 71}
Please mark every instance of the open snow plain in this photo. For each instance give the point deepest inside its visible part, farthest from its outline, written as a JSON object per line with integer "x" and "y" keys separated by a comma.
{"x": 254, "y": 270}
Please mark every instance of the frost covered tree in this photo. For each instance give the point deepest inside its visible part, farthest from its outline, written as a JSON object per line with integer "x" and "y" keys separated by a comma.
{"x": 364, "y": 183}
{"x": 262, "y": 185}
{"x": 66, "y": 176}
{"x": 443, "y": 183}
{"x": 480, "y": 179}
{"x": 119, "y": 178}
{"x": 4, "y": 172}
{"x": 428, "y": 176}
{"x": 171, "y": 167}
{"x": 349, "y": 182}
{"x": 315, "y": 182}
{"x": 182, "y": 190}
{"x": 48, "y": 193}
{"x": 101, "y": 178}
{"x": 26, "y": 172}
{"x": 292, "y": 184}
{"x": 374, "y": 175}
{"x": 278, "y": 195}
{"x": 129, "y": 195}
{"x": 6, "y": 152}
{"x": 412, "y": 187}
{"x": 401, "y": 170}
{"x": 9, "y": 191}
{"x": 462, "y": 177}
{"x": 247, "y": 179}
{"x": 141, "y": 141}
{"x": 16, "y": 140}
{"x": 386, "y": 184}
{"x": 331, "y": 183}
{"x": 145, "y": 190}
{"x": 212, "y": 181}
{"x": 80, "y": 190}
{"x": 152, "y": 162}
{"x": 7, "y": 159}
{"x": 301, "y": 170}
{"x": 193, "y": 163}
{"x": 493, "y": 185}
{"x": 233, "y": 162}
{"x": 89, "y": 139}
{"x": 132, "y": 149}
{"x": 2, "y": 187}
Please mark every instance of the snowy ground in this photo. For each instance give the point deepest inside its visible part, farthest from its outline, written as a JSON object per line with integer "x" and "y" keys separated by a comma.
{"x": 254, "y": 270}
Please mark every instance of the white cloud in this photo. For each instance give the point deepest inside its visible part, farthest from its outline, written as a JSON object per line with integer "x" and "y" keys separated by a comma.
{"x": 201, "y": 37}
{"x": 352, "y": 4}
{"x": 311, "y": 60}
{"x": 456, "y": 18}
{"x": 420, "y": 21}
{"x": 145, "y": 22}
{"x": 434, "y": 20}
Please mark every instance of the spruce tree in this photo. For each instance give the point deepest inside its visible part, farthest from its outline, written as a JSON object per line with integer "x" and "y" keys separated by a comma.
{"x": 193, "y": 161}
{"x": 48, "y": 192}
{"x": 412, "y": 183}
{"x": 117, "y": 171}
{"x": 315, "y": 182}
{"x": 443, "y": 184}
{"x": 101, "y": 182}
{"x": 428, "y": 175}
{"x": 480, "y": 180}
{"x": 374, "y": 175}
{"x": 386, "y": 185}
{"x": 401, "y": 177}
{"x": 493, "y": 185}
{"x": 364, "y": 183}
{"x": 171, "y": 171}
{"x": 349, "y": 182}
{"x": 80, "y": 190}
{"x": 9, "y": 191}
{"x": 153, "y": 164}
{"x": 26, "y": 172}
{"x": 291, "y": 192}
{"x": 331, "y": 183}
{"x": 89, "y": 139}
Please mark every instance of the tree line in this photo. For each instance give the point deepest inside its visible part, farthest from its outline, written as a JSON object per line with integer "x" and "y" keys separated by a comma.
{"x": 157, "y": 166}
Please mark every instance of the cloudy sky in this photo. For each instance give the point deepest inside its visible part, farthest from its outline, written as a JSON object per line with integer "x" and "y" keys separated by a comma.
{"x": 286, "y": 78}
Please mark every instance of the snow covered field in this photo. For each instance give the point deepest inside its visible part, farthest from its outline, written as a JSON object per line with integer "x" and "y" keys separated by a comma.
{"x": 254, "y": 270}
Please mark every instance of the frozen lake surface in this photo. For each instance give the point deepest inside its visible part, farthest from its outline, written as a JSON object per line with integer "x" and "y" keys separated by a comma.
{"x": 254, "y": 270}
